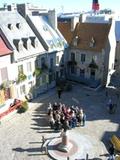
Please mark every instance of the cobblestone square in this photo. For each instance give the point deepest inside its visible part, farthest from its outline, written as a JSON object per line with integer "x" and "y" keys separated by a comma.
{"x": 21, "y": 134}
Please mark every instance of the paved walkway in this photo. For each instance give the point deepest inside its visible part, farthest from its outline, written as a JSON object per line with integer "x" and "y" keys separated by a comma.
{"x": 21, "y": 134}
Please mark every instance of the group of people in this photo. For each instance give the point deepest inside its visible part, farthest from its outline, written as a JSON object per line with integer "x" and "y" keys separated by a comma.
{"x": 65, "y": 117}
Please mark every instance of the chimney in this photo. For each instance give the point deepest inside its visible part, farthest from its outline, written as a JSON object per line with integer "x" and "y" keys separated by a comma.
{"x": 95, "y": 5}
{"x": 11, "y": 7}
{"x": 52, "y": 18}
{"x": 23, "y": 9}
{"x": 81, "y": 18}
{"x": 74, "y": 21}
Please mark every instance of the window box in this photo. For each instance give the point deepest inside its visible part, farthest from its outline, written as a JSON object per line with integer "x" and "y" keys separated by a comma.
{"x": 21, "y": 77}
{"x": 37, "y": 72}
{"x": 71, "y": 63}
{"x": 93, "y": 65}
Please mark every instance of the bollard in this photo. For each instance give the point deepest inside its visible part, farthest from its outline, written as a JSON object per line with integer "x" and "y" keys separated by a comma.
{"x": 68, "y": 158}
{"x": 43, "y": 139}
{"x": 87, "y": 156}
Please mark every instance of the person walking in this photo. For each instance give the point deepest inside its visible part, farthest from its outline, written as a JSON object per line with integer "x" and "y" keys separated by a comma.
{"x": 59, "y": 92}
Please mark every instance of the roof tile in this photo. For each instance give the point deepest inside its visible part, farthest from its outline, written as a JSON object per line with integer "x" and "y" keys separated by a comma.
{"x": 84, "y": 33}
{"x": 4, "y": 50}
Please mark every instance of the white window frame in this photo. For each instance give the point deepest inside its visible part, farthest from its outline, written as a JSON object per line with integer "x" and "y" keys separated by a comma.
{"x": 29, "y": 67}
{"x": 22, "y": 89}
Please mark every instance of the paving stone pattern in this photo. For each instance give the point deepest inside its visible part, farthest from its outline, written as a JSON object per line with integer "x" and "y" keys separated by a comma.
{"x": 21, "y": 134}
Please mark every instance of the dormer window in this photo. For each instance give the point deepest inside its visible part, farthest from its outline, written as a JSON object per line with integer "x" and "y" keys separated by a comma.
{"x": 26, "y": 43}
{"x": 95, "y": 58}
{"x": 34, "y": 42}
{"x": 18, "y": 25}
{"x": 45, "y": 28}
{"x": 75, "y": 41}
{"x": 51, "y": 44}
{"x": 18, "y": 44}
{"x": 92, "y": 42}
{"x": 59, "y": 43}
{"x": 10, "y": 26}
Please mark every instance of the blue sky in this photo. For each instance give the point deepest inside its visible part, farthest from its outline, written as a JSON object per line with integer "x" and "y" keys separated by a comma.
{"x": 68, "y": 5}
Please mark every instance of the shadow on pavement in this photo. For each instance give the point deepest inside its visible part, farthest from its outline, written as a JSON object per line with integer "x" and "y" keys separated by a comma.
{"x": 93, "y": 103}
{"x": 19, "y": 149}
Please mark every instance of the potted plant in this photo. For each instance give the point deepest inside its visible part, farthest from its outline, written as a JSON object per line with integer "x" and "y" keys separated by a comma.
{"x": 21, "y": 77}
{"x": 24, "y": 107}
{"x": 37, "y": 72}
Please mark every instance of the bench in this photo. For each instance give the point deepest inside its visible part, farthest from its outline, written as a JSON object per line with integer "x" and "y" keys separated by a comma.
{"x": 116, "y": 142}
{"x": 11, "y": 108}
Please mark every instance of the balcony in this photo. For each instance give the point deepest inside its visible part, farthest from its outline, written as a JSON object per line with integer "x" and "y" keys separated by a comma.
{"x": 71, "y": 63}
{"x": 93, "y": 65}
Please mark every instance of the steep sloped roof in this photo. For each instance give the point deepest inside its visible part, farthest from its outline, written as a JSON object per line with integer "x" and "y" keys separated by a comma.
{"x": 65, "y": 29}
{"x": 85, "y": 34}
{"x": 14, "y": 26}
{"x": 48, "y": 34}
{"x": 4, "y": 50}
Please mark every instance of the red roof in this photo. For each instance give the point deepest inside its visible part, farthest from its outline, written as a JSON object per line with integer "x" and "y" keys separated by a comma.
{"x": 4, "y": 50}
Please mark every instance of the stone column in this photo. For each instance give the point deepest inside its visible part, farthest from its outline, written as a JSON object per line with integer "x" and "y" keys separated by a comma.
{"x": 65, "y": 139}
{"x": 65, "y": 145}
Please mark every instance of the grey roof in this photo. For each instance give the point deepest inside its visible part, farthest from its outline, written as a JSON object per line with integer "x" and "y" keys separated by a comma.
{"x": 52, "y": 37}
{"x": 15, "y": 20}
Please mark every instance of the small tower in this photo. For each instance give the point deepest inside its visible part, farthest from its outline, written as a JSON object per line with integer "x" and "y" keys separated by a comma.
{"x": 95, "y": 5}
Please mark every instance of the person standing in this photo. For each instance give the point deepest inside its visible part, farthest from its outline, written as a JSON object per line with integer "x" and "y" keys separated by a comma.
{"x": 110, "y": 106}
{"x": 59, "y": 92}
{"x": 84, "y": 118}
{"x": 111, "y": 152}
